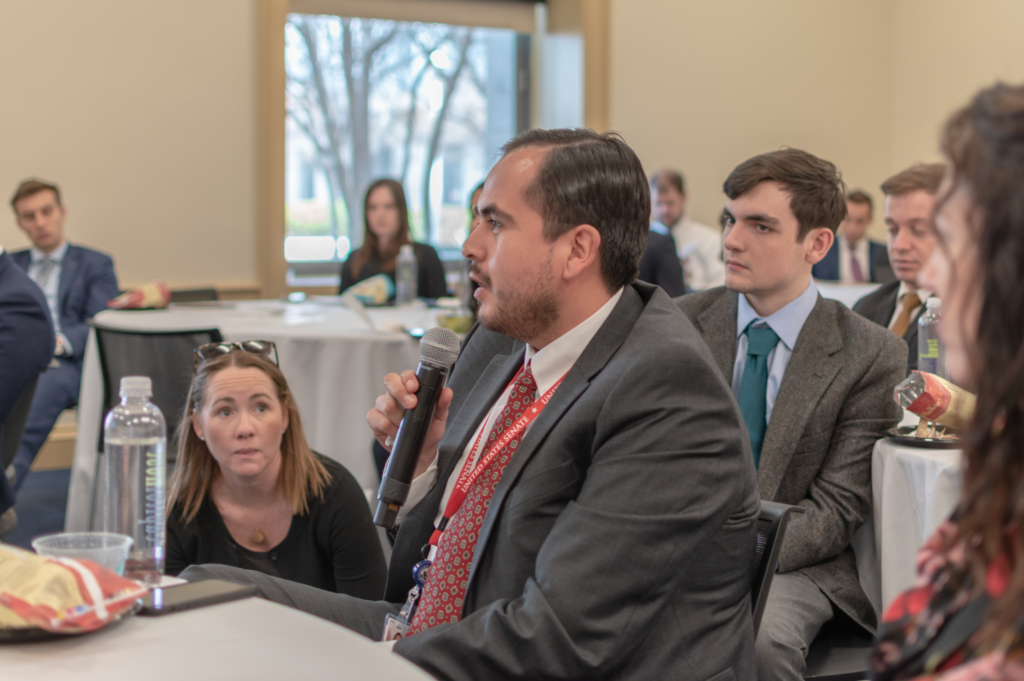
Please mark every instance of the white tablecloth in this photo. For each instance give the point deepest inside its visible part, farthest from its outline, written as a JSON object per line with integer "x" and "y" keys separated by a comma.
{"x": 847, "y": 294}
{"x": 249, "y": 639}
{"x": 914, "y": 490}
{"x": 335, "y": 365}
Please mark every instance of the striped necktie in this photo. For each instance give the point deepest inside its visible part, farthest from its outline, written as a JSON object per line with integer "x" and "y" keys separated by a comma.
{"x": 44, "y": 270}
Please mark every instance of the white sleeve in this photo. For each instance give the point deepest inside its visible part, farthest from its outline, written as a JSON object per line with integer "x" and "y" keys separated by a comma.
{"x": 711, "y": 271}
{"x": 418, "y": 489}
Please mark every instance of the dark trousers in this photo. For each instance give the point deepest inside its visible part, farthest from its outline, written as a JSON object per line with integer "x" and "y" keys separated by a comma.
{"x": 56, "y": 391}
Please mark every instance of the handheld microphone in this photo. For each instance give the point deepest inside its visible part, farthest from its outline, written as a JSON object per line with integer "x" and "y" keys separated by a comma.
{"x": 439, "y": 349}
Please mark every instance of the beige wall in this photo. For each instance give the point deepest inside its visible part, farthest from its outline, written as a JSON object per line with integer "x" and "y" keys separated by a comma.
{"x": 144, "y": 113}
{"x": 946, "y": 51}
{"x": 866, "y": 84}
{"x": 701, "y": 86}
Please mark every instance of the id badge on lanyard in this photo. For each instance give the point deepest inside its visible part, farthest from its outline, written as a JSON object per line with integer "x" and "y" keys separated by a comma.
{"x": 397, "y": 626}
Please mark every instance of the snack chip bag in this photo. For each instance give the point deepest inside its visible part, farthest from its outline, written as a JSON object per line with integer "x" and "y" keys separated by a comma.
{"x": 933, "y": 398}
{"x": 375, "y": 290}
{"x": 154, "y": 295}
{"x": 60, "y": 595}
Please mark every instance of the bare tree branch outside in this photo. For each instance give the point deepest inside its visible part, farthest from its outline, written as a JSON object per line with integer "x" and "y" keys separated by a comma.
{"x": 422, "y": 103}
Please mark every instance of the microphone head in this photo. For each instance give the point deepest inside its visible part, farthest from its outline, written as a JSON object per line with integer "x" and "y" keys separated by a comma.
{"x": 439, "y": 347}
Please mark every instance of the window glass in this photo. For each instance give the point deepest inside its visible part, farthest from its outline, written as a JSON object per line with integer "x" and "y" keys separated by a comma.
{"x": 427, "y": 104}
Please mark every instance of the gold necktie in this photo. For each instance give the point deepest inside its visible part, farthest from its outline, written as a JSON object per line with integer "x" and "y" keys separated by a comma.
{"x": 910, "y": 303}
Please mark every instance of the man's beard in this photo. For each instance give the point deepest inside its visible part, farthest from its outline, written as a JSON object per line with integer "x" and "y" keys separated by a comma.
{"x": 523, "y": 313}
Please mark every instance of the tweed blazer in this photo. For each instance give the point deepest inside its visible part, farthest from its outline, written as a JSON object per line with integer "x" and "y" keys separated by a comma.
{"x": 835, "y": 401}
{"x": 619, "y": 541}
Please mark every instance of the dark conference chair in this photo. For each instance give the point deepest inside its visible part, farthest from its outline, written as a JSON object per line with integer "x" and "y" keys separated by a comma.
{"x": 13, "y": 427}
{"x": 771, "y": 529}
{"x": 195, "y": 295}
{"x": 165, "y": 356}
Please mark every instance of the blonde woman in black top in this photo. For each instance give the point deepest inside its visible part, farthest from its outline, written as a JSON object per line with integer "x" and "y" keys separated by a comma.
{"x": 247, "y": 490}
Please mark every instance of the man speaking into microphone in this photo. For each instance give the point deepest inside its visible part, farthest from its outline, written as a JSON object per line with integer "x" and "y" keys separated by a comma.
{"x": 584, "y": 503}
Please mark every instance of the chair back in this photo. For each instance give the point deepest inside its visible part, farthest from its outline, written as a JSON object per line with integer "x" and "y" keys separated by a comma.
{"x": 13, "y": 427}
{"x": 194, "y": 295}
{"x": 771, "y": 529}
{"x": 165, "y": 356}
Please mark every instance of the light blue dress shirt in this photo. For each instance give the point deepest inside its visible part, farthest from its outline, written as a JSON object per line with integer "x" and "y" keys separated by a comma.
{"x": 786, "y": 323}
{"x": 52, "y": 288}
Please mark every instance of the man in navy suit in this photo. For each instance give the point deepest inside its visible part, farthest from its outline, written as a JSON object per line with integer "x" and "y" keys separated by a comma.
{"x": 853, "y": 257}
{"x": 26, "y": 347}
{"x": 77, "y": 283}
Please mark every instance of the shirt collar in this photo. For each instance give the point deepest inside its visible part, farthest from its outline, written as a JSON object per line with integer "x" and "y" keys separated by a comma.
{"x": 552, "y": 361}
{"x": 922, "y": 294}
{"x": 787, "y": 322}
{"x": 56, "y": 255}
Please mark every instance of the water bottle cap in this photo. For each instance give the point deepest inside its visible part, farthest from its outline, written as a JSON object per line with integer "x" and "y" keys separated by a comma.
{"x": 405, "y": 248}
{"x": 136, "y": 386}
{"x": 933, "y": 303}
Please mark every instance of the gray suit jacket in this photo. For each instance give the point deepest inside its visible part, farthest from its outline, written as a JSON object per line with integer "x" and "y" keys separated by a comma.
{"x": 619, "y": 541}
{"x": 835, "y": 401}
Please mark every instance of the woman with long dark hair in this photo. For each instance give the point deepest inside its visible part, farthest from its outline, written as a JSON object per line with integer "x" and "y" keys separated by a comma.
{"x": 385, "y": 231}
{"x": 964, "y": 619}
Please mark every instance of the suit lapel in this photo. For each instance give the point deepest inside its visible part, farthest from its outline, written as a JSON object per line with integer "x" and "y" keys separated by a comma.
{"x": 717, "y": 324}
{"x": 68, "y": 272}
{"x": 816, "y": 360}
{"x": 596, "y": 355}
{"x": 486, "y": 390}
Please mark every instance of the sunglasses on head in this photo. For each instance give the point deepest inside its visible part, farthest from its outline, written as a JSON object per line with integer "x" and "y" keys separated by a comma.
{"x": 262, "y": 348}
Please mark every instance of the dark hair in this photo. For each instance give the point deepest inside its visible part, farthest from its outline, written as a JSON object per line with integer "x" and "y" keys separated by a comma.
{"x": 371, "y": 244}
{"x": 474, "y": 191}
{"x": 815, "y": 186}
{"x": 592, "y": 179}
{"x": 922, "y": 176}
{"x": 668, "y": 178}
{"x": 984, "y": 143}
{"x": 861, "y": 197}
{"x": 32, "y": 187}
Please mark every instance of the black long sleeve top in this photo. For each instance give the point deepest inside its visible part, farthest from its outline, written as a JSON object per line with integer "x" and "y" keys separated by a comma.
{"x": 334, "y": 546}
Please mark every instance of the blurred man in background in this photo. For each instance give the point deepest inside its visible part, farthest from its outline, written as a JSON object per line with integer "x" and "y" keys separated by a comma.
{"x": 77, "y": 283}
{"x": 699, "y": 247}
{"x": 854, "y": 258}
{"x": 909, "y": 203}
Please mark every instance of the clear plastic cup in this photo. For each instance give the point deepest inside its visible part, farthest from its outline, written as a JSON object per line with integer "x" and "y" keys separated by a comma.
{"x": 105, "y": 548}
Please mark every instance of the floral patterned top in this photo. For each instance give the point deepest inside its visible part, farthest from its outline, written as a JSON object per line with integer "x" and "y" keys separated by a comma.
{"x": 927, "y": 631}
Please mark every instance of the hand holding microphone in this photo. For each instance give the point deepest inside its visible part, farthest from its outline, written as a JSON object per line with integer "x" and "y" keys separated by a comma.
{"x": 412, "y": 415}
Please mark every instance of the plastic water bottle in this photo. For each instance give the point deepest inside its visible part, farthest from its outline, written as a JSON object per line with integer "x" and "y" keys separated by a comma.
{"x": 406, "y": 275}
{"x": 931, "y": 355}
{"x": 135, "y": 472}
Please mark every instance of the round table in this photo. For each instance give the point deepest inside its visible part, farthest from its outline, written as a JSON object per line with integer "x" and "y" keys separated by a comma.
{"x": 248, "y": 639}
{"x": 914, "y": 489}
{"x": 334, "y": 361}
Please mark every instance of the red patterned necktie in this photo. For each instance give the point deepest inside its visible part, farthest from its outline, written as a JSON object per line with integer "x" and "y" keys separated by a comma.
{"x": 445, "y": 589}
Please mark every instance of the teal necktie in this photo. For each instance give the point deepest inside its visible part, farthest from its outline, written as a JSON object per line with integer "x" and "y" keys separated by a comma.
{"x": 754, "y": 386}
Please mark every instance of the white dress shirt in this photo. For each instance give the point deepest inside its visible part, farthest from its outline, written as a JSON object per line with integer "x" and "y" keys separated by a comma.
{"x": 861, "y": 251}
{"x": 922, "y": 294}
{"x": 549, "y": 364}
{"x": 787, "y": 324}
{"x": 51, "y": 289}
{"x": 700, "y": 252}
